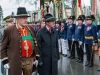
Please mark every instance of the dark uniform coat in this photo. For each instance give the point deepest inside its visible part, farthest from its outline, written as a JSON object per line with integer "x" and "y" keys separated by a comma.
{"x": 11, "y": 45}
{"x": 70, "y": 31}
{"x": 49, "y": 53}
{"x": 90, "y": 31}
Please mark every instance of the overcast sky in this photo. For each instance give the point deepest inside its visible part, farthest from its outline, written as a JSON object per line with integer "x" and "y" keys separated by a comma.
{"x": 8, "y": 6}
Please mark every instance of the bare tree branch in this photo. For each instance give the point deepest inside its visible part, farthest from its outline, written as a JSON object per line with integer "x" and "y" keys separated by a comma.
{"x": 31, "y": 2}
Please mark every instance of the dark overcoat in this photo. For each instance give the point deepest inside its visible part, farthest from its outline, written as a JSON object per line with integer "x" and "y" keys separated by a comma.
{"x": 11, "y": 48}
{"x": 49, "y": 53}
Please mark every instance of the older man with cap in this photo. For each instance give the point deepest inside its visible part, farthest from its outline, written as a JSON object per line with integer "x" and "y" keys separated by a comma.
{"x": 9, "y": 22}
{"x": 19, "y": 49}
{"x": 48, "y": 46}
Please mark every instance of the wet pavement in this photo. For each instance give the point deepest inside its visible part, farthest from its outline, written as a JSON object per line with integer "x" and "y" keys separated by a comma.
{"x": 68, "y": 66}
{"x": 71, "y": 67}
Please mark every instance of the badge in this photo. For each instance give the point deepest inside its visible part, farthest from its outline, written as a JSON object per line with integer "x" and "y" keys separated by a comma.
{"x": 26, "y": 47}
{"x": 79, "y": 27}
{"x": 88, "y": 28}
{"x": 57, "y": 29}
{"x": 70, "y": 26}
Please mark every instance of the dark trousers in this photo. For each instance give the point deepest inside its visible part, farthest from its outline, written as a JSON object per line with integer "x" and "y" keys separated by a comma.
{"x": 79, "y": 50}
{"x": 71, "y": 45}
{"x": 89, "y": 52}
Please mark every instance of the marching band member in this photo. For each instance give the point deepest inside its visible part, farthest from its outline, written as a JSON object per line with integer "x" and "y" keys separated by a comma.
{"x": 98, "y": 47}
{"x": 58, "y": 28}
{"x": 90, "y": 39}
{"x": 79, "y": 33}
{"x": 63, "y": 39}
{"x": 70, "y": 37}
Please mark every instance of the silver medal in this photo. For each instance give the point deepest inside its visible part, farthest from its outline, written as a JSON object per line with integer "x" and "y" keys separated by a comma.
{"x": 26, "y": 47}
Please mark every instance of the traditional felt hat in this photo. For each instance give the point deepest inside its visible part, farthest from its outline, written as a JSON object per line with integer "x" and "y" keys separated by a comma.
{"x": 89, "y": 18}
{"x": 49, "y": 18}
{"x": 72, "y": 17}
{"x": 21, "y": 12}
{"x": 80, "y": 18}
{"x": 8, "y": 18}
{"x": 93, "y": 17}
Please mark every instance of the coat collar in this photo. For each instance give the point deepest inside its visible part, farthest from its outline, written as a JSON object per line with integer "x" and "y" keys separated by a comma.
{"x": 46, "y": 30}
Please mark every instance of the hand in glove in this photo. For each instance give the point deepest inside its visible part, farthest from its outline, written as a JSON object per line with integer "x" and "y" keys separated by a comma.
{"x": 94, "y": 43}
{"x": 41, "y": 63}
{"x": 80, "y": 42}
{"x": 73, "y": 39}
{"x": 35, "y": 63}
{"x": 6, "y": 66}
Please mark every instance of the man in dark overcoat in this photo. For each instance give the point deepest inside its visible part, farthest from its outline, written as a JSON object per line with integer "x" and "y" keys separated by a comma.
{"x": 19, "y": 49}
{"x": 48, "y": 47}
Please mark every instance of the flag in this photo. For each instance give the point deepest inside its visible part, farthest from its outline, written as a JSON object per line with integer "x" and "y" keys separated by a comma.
{"x": 98, "y": 9}
{"x": 79, "y": 3}
{"x": 64, "y": 10}
{"x": 78, "y": 8}
{"x": 76, "y": 12}
{"x": 42, "y": 12}
{"x": 51, "y": 8}
{"x": 93, "y": 7}
{"x": 39, "y": 15}
{"x": 54, "y": 11}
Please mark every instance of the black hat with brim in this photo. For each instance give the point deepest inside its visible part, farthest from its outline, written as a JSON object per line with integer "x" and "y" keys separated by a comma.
{"x": 88, "y": 18}
{"x": 21, "y": 12}
{"x": 80, "y": 18}
{"x": 83, "y": 16}
{"x": 93, "y": 17}
{"x": 8, "y": 18}
{"x": 72, "y": 17}
{"x": 49, "y": 18}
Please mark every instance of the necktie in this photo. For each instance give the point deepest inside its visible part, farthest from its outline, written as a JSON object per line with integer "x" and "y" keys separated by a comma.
{"x": 88, "y": 24}
{"x": 49, "y": 30}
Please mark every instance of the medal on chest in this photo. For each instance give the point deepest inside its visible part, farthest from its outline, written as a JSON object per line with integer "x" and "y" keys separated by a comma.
{"x": 79, "y": 27}
{"x": 88, "y": 28}
{"x": 26, "y": 47}
{"x": 70, "y": 26}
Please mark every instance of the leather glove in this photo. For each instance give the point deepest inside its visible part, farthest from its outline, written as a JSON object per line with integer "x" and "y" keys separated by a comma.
{"x": 94, "y": 43}
{"x": 97, "y": 33}
{"x": 35, "y": 63}
{"x": 6, "y": 66}
{"x": 73, "y": 39}
{"x": 80, "y": 42}
{"x": 41, "y": 63}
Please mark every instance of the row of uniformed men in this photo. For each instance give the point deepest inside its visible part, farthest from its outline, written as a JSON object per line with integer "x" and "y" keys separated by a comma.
{"x": 77, "y": 35}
